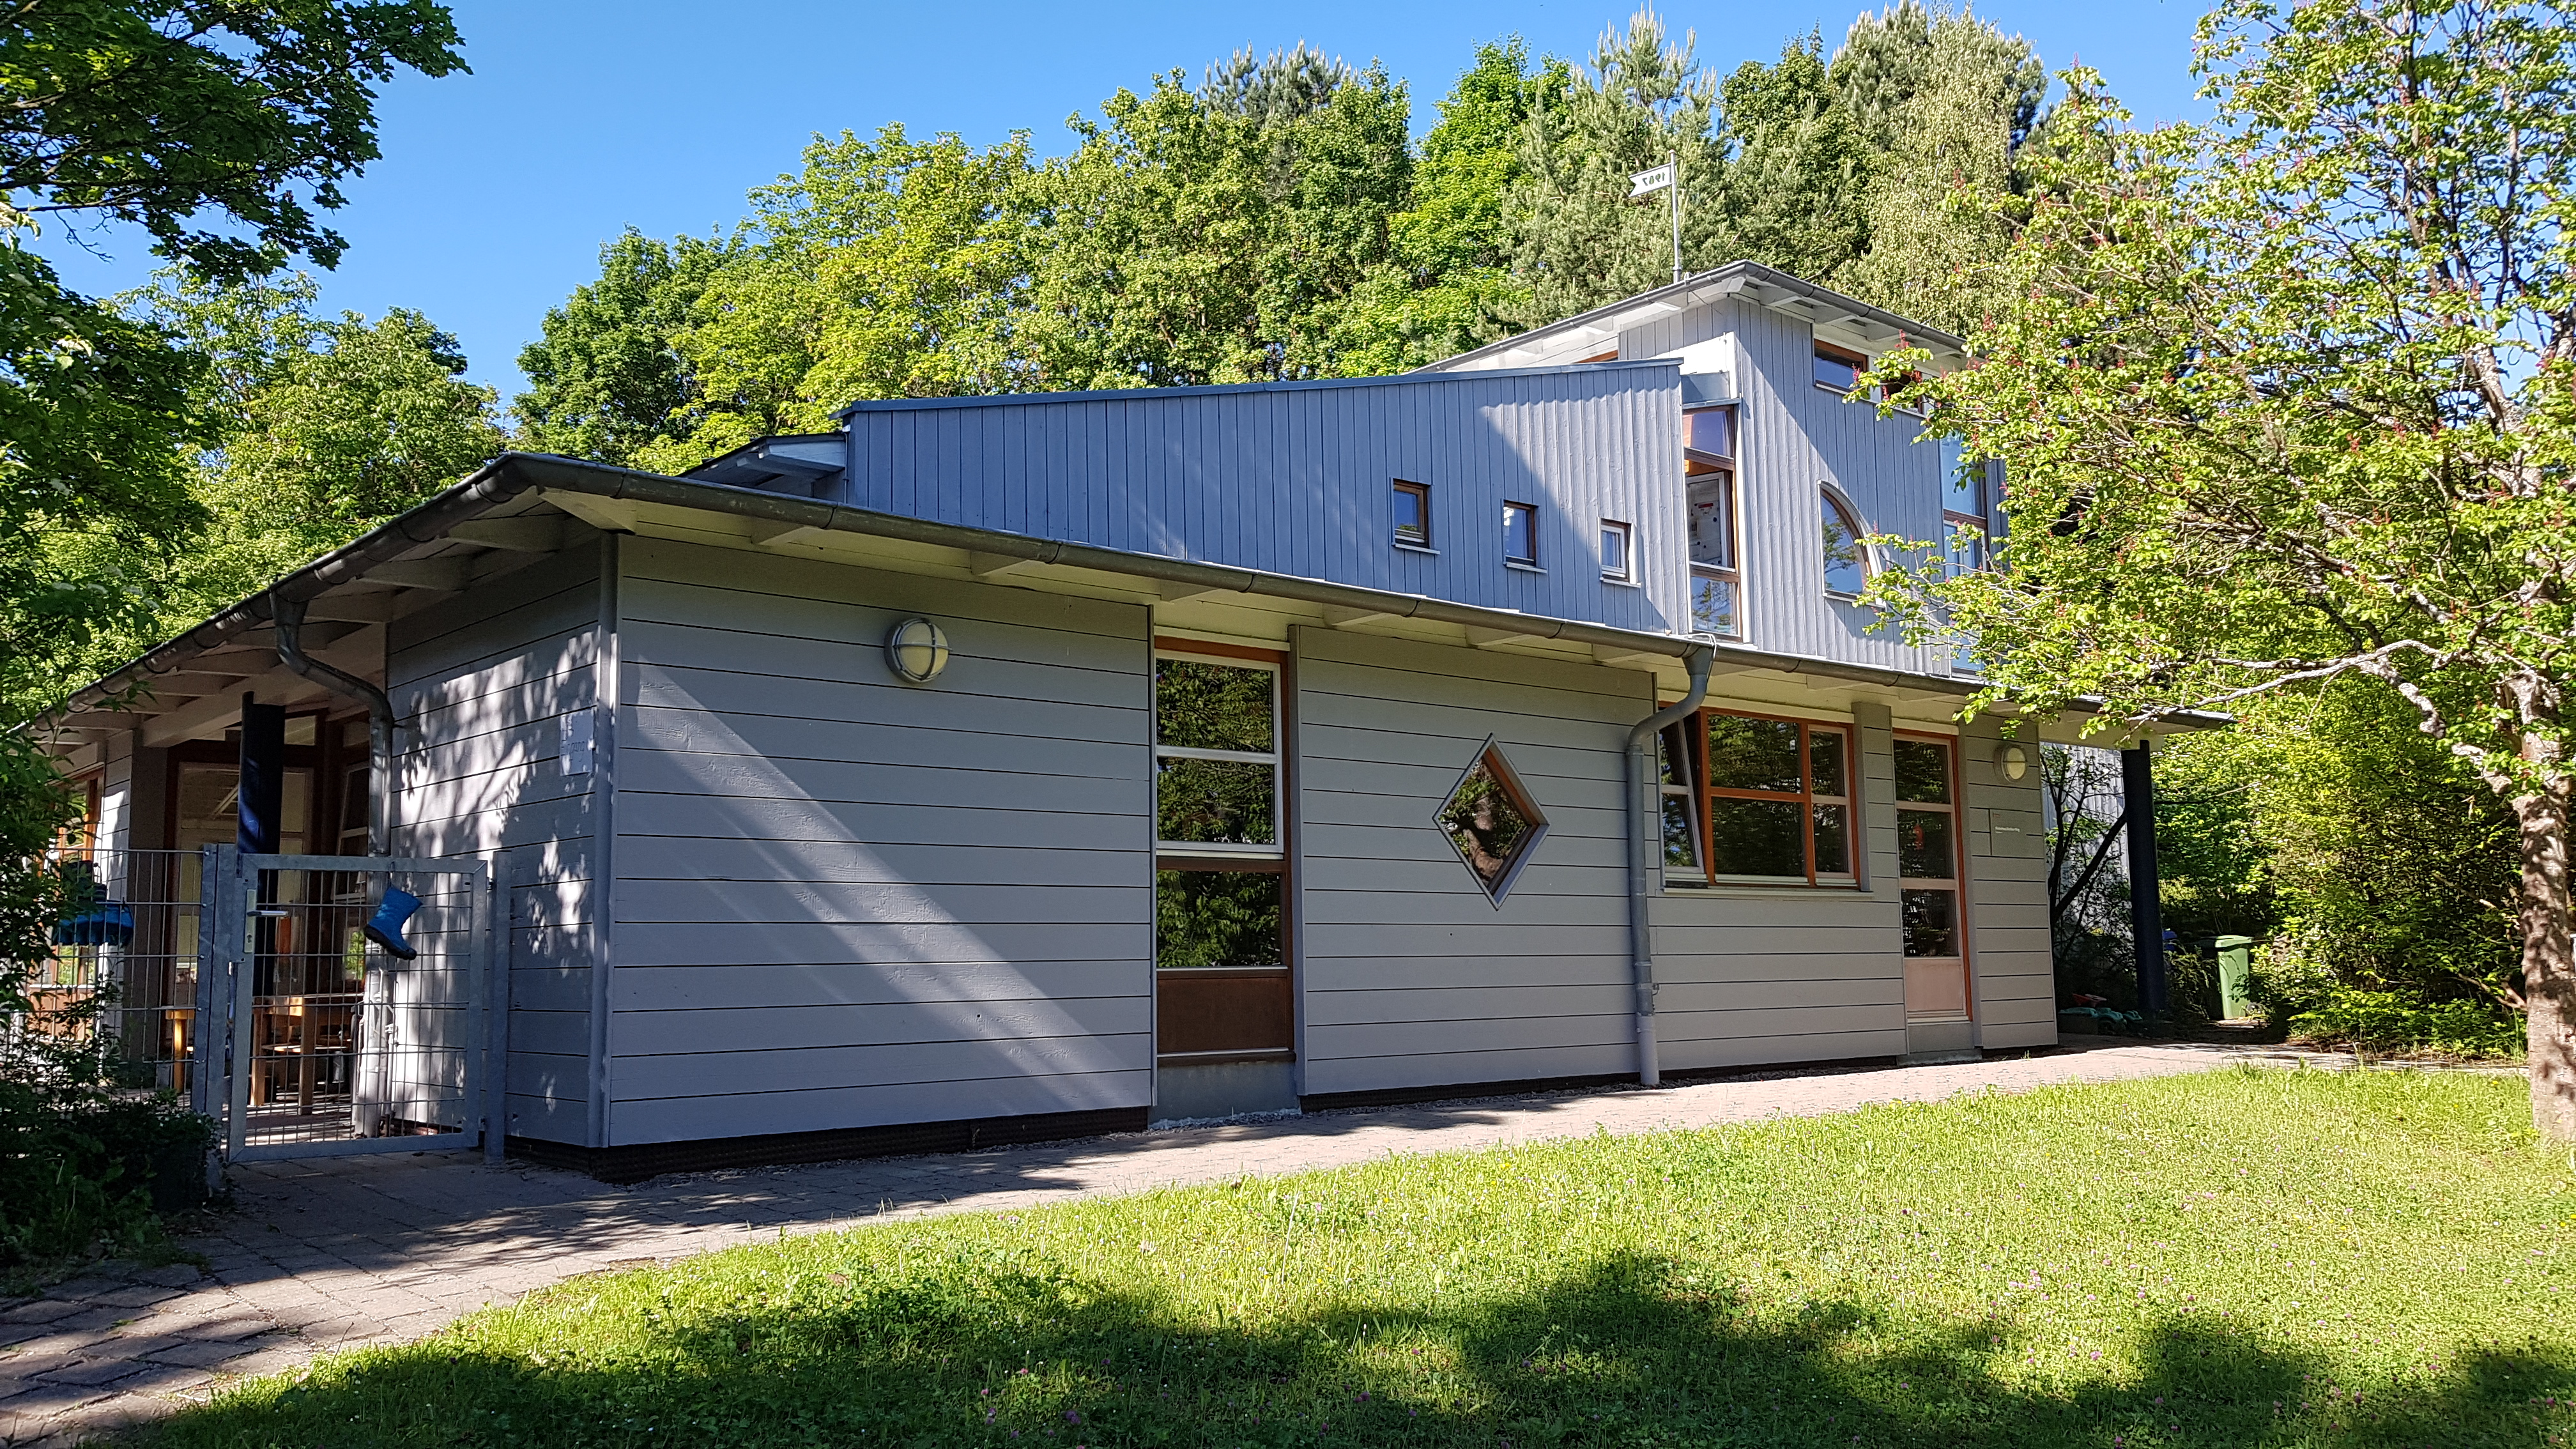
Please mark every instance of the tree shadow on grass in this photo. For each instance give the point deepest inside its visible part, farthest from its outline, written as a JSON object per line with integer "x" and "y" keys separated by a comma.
{"x": 992, "y": 1347}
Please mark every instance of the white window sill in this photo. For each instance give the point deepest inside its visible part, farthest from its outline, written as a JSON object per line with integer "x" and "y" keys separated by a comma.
{"x": 1738, "y": 890}
{"x": 1424, "y": 549}
{"x": 1516, "y": 566}
{"x": 1625, "y": 583}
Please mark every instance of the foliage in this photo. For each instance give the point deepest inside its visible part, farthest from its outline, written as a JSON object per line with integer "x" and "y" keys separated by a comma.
{"x": 1797, "y": 171}
{"x": 2388, "y": 1021}
{"x": 1187, "y": 242}
{"x": 2287, "y": 399}
{"x": 1577, "y": 240}
{"x": 2282, "y": 1258}
{"x": 1448, "y": 285}
{"x": 89, "y": 1174}
{"x": 1944, "y": 103}
{"x": 606, "y": 378}
{"x": 318, "y": 428}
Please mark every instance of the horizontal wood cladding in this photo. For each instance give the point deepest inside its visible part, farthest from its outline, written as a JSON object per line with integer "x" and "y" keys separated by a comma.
{"x": 1298, "y": 480}
{"x": 482, "y": 679}
{"x": 1412, "y": 975}
{"x": 845, "y": 901}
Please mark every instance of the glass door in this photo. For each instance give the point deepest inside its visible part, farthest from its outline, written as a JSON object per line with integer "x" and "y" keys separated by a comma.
{"x": 1928, "y": 869}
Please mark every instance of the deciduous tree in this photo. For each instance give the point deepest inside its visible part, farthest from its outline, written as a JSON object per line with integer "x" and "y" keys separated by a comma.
{"x": 2290, "y": 400}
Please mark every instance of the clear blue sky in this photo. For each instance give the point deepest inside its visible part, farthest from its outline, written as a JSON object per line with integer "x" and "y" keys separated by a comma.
{"x": 583, "y": 117}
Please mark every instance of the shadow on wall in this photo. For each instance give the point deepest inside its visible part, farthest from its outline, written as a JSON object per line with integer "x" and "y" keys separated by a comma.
{"x": 990, "y": 1345}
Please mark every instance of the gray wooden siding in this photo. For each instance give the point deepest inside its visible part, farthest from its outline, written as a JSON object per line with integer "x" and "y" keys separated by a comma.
{"x": 844, "y": 901}
{"x": 481, "y": 681}
{"x": 2011, "y": 973}
{"x": 1295, "y": 479}
{"x": 1793, "y": 437}
{"x": 1750, "y": 976}
{"x": 1410, "y": 976}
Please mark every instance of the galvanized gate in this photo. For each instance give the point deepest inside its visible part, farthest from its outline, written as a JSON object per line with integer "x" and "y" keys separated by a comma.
{"x": 323, "y": 1044}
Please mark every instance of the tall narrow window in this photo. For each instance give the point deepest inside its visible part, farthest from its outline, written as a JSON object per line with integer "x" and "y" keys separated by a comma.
{"x": 1846, "y": 557}
{"x": 1777, "y": 801}
{"x": 1678, "y": 784}
{"x": 1708, "y": 482}
{"x": 1838, "y": 368}
{"x": 1413, "y": 514}
{"x": 1927, "y": 868}
{"x": 1967, "y": 506}
{"x": 1614, "y": 550}
{"x": 1520, "y": 534}
{"x": 1220, "y": 882}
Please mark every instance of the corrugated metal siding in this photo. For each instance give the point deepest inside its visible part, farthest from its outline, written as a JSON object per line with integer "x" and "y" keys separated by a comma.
{"x": 1410, "y": 976}
{"x": 1795, "y": 436}
{"x": 481, "y": 680}
{"x": 1296, "y": 480}
{"x": 843, "y": 901}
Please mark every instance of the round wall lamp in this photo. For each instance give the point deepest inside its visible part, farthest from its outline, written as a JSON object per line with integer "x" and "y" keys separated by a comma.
{"x": 2012, "y": 759}
{"x": 917, "y": 650}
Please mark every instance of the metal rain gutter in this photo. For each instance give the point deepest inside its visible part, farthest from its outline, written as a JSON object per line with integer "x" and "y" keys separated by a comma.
{"x": 1644, "y": 816}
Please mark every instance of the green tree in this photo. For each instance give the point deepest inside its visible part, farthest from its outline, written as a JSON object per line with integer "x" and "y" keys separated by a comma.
{"x": 885, "y": 268}
{"x": 605, "y": 379}
{"x": 1794, "y": 191}
{"x": 1447, "y": 285}
{"x": 1577, "y": 239}
{"x": 319, "y": 428}
{"x": 1944, "y": 102}
{"x": 1215, "y": 235}
{"x": 2288, "y": 400}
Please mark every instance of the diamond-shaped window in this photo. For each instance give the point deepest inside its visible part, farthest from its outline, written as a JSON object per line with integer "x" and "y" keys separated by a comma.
{"x": 1491, "y": 819}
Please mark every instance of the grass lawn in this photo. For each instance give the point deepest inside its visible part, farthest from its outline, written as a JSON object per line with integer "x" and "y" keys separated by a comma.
{"x": 2252, "y": 1257}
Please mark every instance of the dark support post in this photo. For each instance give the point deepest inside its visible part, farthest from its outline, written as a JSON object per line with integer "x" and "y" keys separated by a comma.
{"x": 261, "y": 800}
{"x": 2146, "y": 909}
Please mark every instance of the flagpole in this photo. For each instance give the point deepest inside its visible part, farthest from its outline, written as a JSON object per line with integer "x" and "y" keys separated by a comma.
{"x": 1673, "y": 160}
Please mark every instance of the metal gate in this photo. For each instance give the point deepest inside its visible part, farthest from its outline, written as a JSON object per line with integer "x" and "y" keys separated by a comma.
{"x": 322, "y": 1044}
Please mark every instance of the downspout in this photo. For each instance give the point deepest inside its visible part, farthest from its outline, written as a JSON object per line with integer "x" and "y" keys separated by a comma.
{"x": 289, "y": 614}
{"x": 1645, "y": 816}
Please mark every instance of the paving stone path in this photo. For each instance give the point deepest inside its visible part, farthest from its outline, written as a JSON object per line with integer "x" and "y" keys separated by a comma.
{"x": 334, "y": 1254}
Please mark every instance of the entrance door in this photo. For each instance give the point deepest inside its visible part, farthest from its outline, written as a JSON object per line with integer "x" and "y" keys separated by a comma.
{"x": 1928, "y": 868}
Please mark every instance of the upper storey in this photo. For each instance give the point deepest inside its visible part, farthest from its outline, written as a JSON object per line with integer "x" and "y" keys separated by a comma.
{"x": 1515, "y": 475}
{"x": 1692, "y": 460}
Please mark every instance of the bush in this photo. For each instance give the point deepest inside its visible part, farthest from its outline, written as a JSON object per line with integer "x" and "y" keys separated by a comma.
{"x": 84, "y": 1174}
{"x": 2386, "y": 1021}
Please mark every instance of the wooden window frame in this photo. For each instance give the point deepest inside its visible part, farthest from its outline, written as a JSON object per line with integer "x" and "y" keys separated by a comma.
{"x": 1705, "y": 794}
{"x": 1219, "y": 1014}
{"x": 1697, "y": 464}
{"x": 1194, "y": 854}
{"x": 1530, "y": 510}
{"x": 1422, "y": 493}
{"x": 1957, "y": 884}
{"x": 1858, "y": 362}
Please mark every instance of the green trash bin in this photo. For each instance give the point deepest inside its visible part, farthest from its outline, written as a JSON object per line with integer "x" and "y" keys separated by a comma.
{"x": 2235, "y": 976}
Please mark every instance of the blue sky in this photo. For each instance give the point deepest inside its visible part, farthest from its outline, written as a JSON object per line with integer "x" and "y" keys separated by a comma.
{"x": 584, "y": 117}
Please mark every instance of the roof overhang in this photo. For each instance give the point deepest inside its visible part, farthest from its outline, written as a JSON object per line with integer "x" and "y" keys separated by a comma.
{"x": 516, "y": 507}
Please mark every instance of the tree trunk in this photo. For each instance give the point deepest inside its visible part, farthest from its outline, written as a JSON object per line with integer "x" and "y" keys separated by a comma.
{"x": 2548, "y": 960}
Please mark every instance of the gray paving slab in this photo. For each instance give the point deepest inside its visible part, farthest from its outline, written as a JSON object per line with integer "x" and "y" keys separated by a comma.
{"x": 288, "y": 1276}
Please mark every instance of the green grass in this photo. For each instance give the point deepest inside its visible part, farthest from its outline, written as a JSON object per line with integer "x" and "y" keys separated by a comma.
{"x": 2239, "y": 1258}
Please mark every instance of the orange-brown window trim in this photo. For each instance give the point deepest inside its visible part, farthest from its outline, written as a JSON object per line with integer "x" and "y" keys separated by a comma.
{"x": 1957, "y": 885}
{"x": 1805, "y": 794}
{"x": 1220, "y": 651}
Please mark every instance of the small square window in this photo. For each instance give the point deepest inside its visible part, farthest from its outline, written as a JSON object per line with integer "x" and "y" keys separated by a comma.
{"x": 1837, "y": 368}
{"x": 1520, "y": 534}
{"x": 1413, "y": 513}
{"x": 1614, "y": 549}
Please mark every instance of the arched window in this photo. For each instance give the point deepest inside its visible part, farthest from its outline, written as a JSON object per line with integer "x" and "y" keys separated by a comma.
{"x": 1846, "y": 559}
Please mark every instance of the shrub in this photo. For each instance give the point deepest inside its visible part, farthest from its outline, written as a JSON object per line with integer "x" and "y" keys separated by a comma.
{"x": 81, "y": 1174}
{"x": 2387, "y": 1021}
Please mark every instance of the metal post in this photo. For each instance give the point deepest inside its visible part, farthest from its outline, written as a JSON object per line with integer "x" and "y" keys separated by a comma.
{"x": 233, "y": 920}
{"x": 1673, "y": 159}
{"x": 2146, "y": 910}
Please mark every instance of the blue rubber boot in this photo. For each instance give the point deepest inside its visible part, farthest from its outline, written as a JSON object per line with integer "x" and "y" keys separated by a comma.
{"x": 386, "y": 925}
